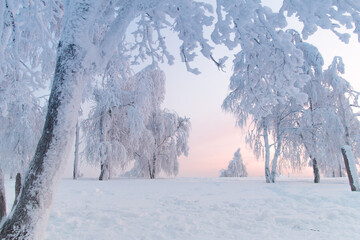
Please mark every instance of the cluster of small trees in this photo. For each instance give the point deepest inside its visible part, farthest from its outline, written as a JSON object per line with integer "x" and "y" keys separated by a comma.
{"x": 278, "y": 85}
{"x": 128, "y": 125}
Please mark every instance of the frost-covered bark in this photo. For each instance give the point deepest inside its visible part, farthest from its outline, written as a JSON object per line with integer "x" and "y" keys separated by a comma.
{"x": 29, "y": 216}
{"x": 275, "y": 160}
{"x": 104, "y": 151}
{"x": 351, "y": 168}
{"x": 41, "y": 180}
{"x": 267, "y": 156}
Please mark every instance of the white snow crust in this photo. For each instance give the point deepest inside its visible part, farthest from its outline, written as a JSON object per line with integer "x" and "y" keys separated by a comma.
{"x": 219, "y": 208}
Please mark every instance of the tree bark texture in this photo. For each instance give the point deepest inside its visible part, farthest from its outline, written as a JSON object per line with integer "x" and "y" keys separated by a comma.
{"x": 17, "y": 188}
{"x": 153, "y": 171}
{"x": 316, "y": 171}
{"x": 17, "y": 184}
{"x": 105, "y": 172}
{"x": 105, "y": 165}
{"x": 41, "y": 179}
{"x": 29, "y": 217}
{"x": 275, "y": 160}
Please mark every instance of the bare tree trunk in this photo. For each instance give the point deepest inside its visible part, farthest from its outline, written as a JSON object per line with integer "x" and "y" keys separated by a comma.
{"x": 105, "y": 168}
{"x": 150, "y": 171}
{"x": 267, "y": 156}
{"x": 105, "y": 172}
{"x": 2, "y": 196}
{"x": 275, "y": 159}
{"x": 316, "y": 171}
{"x": 17, "y": 184}
{"x": 351, "y": 168}
{"x": 152, "y": 176}
{"x": 76, "y": 153}
{"x": 17, "y": 188}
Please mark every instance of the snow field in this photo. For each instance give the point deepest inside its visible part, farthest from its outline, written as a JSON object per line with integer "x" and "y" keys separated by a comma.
{"x": 219, "y": 208}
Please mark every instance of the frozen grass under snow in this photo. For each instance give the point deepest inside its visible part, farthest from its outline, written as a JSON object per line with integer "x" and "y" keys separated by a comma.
{"x": 219, "y": 208}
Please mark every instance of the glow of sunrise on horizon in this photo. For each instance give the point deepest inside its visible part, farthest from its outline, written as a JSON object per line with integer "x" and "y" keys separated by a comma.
{"x": 214, "y": 137}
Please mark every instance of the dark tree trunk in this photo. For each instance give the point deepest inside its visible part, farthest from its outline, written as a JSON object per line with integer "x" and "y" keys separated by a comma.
{"x": 17, "y": 188}
{"x": 150, "y": 171}
{"x": 153, "y": 172}
{"x": 353, "y": 177}
{"x": 2, "y": 196}
{"x": 105, "y": 166}
{"x": 76, "y": 153}
{"x": 316, "y": 171}
{"x": 105, "y": 172}
{"x": 17, "y": 184}
{"x": 28, "y": 218}
{"x": 43, "y": 174}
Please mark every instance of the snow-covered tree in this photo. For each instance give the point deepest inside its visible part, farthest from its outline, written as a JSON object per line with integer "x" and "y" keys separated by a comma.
{"x": 165, "y": 141}
{"x": 29, "y": 33}
{"x": 267, "y": 80}
{"x": 92, "y": 30}
{"x": 105, "y": 125}
{"x": 236, "y": 167}
{"x": 117, "y": 121}
{"x": 344, "y": 99}
{"x": 313, "y": 122}
{"x": 20, "y": 132}
{"x": 329, "y": 15}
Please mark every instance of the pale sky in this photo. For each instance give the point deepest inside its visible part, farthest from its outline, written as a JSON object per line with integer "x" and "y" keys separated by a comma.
{"x": 214, "y": 137}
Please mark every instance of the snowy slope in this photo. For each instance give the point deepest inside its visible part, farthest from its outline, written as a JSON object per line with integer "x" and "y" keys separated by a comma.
{"x": 225, "y": 208}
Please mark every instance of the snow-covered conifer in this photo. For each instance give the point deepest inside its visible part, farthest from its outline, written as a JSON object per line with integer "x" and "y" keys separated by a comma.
{"x": 236, "y": 167}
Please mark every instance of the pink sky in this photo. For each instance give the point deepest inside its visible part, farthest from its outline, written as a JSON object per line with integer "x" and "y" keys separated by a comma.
{"x": 214, "y": 137}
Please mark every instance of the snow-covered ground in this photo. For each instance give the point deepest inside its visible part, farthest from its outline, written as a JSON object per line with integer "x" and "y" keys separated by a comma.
{"x": 218, "y": 208}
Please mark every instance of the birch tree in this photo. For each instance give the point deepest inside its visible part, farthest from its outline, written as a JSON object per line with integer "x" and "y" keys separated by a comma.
{"x": 345, "y": 98}
{"x": 168, "y": 134}
{"x": 264, "y": 94}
